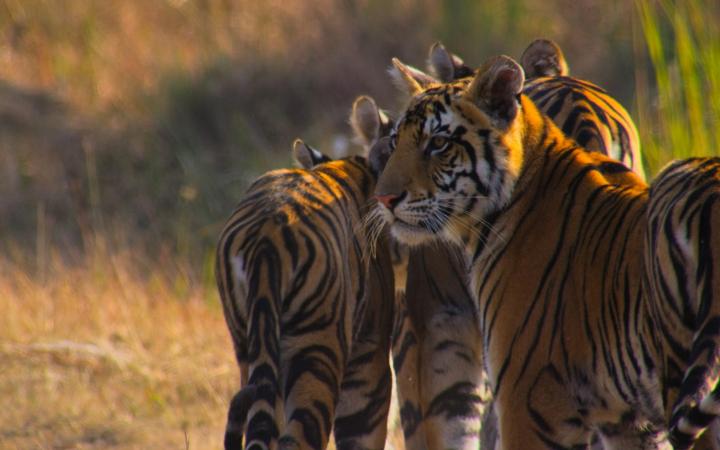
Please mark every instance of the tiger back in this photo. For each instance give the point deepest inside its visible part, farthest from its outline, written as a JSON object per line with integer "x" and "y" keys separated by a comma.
{"x": 309, "y": 309}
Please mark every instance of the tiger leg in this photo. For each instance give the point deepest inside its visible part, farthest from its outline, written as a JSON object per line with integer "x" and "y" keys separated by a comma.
{"x": 362, "y": 412}
{"x": 453, "y": 384}
{"x": 263, "y": 376}
{"x": 232, "y": 299}
{"x": 237, "y": 415}
{"x": 312, "y": 377}
{"x": 243, "y": 399}
{"x": 540, "y": 413}
{"x": 699, "y": 402}
{"x": 450, "y": 365}
{"x": 366, "y": 390}
{"x": 406, "y": 361}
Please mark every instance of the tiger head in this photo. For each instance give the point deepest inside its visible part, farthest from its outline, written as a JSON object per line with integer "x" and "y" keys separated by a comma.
{"x": 456, "y": 153}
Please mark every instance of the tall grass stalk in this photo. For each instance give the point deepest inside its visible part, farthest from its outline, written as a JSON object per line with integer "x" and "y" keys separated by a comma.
{"x": 680, "y": 120}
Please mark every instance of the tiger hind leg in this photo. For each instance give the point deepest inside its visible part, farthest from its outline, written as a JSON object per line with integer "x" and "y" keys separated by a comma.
{"x": 312, "y": 377}
{"x": 263, "y": 420}
{"x": 237, "y": 415}
{"x": 406, "y": 363}
{"x": 366, "y": 390}
{"x": 362, "y": 412}
{"x": 683, "y": 278}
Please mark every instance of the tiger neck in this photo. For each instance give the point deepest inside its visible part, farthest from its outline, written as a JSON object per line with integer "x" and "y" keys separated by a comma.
{"x": 551, "y": 165}
{"x": 540, "y": 140}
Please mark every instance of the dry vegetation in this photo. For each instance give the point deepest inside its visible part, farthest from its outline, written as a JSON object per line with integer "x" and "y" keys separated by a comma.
{"x": 113, "y": 353}
{"x": 107, "y": 354}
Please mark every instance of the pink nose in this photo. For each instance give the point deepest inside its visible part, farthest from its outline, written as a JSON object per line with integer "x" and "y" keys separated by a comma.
{"x": 389, "y": 200}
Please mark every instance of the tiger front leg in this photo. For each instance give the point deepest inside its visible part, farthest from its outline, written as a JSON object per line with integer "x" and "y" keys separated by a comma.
{"x": 450, "y": 373}
{"x": 453, "y": 382}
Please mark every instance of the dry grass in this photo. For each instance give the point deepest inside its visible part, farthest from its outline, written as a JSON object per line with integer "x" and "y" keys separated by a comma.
{"x": 103, "y": 355}
{"x": 114, "y": 354}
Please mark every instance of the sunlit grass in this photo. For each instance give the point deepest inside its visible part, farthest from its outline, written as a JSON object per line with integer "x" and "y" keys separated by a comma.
{"x": 113, "y": 353}
{"x": 102, "y": 355}
{"x": 680, "y": 118}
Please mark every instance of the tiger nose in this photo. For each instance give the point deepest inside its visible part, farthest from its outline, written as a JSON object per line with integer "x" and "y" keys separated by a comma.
{"x": 389, "y": 200}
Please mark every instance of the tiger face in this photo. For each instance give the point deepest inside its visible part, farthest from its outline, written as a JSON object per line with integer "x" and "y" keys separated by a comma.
{"x": 456, "y": 153}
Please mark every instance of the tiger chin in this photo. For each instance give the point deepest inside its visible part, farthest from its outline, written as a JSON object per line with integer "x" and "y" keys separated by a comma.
{"x": 575, "y": 264}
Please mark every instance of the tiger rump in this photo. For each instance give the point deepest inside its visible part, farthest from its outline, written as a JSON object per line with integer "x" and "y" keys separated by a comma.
{"x": 308, "y": 308}
{"x": 574, "y": 343}
{"x": 682, "y": 273}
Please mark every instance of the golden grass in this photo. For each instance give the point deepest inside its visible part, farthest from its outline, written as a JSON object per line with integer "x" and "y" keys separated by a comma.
{"x": 111, "y": 354}
{"x": 102, "y": 356}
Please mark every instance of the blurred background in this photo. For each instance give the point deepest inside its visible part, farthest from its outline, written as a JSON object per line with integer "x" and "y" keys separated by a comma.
{"x": 129, "y": 130}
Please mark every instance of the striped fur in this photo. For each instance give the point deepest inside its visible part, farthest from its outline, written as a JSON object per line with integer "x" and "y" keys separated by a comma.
{"x": 575, "y": 343}
{"x": 683, "y": 274}
{"x": 581, "y": 109}
{"x": 443, "y": 408}
{"x": 309, "y": 310}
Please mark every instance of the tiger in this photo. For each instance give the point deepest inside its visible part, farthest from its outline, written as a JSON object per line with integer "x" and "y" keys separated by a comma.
{"x": 309, "y": 308}
{"x": 563, "y": 246}
{"x": 439, "y": 407}
{"x": 438, "y": 365}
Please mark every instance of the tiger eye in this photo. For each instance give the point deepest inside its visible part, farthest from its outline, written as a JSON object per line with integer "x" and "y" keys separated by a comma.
{"x": 438, "y": 142}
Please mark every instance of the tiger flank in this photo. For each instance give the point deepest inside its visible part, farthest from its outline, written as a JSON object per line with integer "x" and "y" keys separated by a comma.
{"x": 436, "y": 353}
{"x": 309, "y": 309}
{"x": 595, "y": 292}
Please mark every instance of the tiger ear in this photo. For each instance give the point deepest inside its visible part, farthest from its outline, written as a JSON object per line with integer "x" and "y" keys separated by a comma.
{"x": 368, "y": 122}
{"x": 446, "y": 66}
{"x": 306, "y": 156}
{"x": 544, "y": 58}
{"x": 379, "y": 154}
{"x": 496, "y": 87}
{"x": 409, "y": 78}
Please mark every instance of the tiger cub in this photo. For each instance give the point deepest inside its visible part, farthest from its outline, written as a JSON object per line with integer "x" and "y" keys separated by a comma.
{"x": 438, "y": 364}
{"x": 595, "y": 293}
{"x": 435, "y": 355}
{"x": 309, "y": 309}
